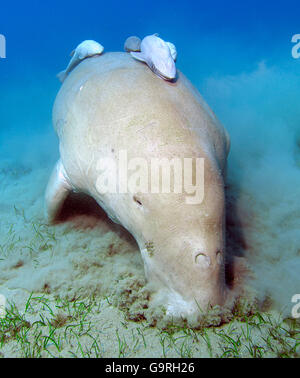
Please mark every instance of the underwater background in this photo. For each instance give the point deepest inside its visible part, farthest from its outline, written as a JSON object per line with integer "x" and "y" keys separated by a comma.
{"x": 239, "y": 56}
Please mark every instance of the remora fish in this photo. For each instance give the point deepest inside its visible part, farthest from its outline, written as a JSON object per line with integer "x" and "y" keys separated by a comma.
{"x": 84, "y": 50}
{"x": 156, "y": 53}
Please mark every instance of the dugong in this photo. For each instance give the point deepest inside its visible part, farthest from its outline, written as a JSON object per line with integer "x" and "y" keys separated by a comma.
{"x": 112, "y": 107}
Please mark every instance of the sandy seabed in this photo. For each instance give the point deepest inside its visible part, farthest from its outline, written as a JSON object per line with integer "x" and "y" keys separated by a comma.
{"x": 77, "y": 288}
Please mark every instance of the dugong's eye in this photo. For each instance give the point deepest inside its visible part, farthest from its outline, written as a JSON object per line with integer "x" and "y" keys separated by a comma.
{"x": 137, "y": 200}
{"x": 202, "y": 260}
{"x": 219, "y": 257}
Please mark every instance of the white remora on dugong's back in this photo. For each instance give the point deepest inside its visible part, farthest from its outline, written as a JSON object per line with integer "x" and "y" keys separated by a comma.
{"x": 173, "y": 50}
{"x": 156, "y": 53}
{"x": 111, "y": 104}
{"x": 84, "y": 50}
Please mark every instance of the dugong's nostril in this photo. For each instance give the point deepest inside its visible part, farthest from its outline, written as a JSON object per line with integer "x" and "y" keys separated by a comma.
{"x": 203, "y": 260}
{"x": 219, "y": 257}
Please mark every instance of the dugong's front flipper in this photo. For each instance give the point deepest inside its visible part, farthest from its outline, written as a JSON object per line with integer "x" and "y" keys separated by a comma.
{"x": 57, "y": 191}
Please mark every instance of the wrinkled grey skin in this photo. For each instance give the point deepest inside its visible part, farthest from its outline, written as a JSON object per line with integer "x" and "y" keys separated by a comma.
{"x": 111, "y": 103}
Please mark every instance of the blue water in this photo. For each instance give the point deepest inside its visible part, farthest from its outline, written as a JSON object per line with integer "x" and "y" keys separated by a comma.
{"x": 214, "y": 38}
{"x": 238, "y": 54}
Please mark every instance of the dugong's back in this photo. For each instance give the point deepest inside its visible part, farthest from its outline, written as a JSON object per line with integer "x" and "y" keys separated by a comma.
{"x": 112, "y": 97}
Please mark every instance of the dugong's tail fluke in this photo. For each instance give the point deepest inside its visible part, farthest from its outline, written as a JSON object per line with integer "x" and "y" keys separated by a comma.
{"x": 57, "y": 191}
{"x": 62, "y": 76}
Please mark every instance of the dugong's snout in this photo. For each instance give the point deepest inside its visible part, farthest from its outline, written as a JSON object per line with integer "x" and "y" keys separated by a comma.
{"x": 204, "y": 282}
{"x": 189, "y": 274}
{"x": 209, "y": 275}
